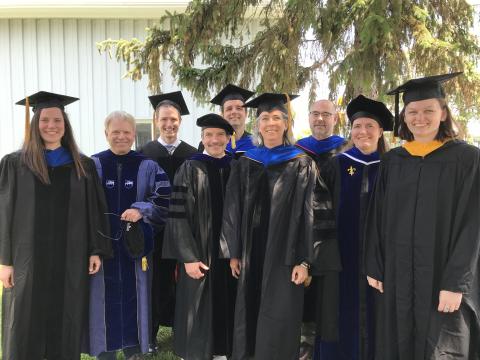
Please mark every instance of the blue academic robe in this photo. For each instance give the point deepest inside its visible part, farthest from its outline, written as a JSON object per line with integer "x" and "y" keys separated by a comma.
{"x": 351, "y": 177}
{"x": 322, "y": 150}
{"x": 120, "y": 291}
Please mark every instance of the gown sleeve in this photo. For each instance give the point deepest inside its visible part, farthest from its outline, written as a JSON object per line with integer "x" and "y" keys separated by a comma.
{"x": 328, "y": 173}
{"x": 311, "y": 182}
{"x": 97, "y": 209}
{"x": 179, "y": 239}
{"x": 462, "y": 264}
{"x": 154, "y": 207}
{"x": 7, "y": 204}
{"x": 374, "y": 246}
{"x": 231, "y": 226}
{"x": 326, "y": 252}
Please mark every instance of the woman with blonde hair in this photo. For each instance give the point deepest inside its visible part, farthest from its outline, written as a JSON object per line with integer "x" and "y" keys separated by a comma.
{"x": 268, "y": 227}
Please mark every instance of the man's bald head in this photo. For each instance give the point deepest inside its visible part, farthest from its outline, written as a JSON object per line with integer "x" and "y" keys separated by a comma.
{"x": 322, "y": 118}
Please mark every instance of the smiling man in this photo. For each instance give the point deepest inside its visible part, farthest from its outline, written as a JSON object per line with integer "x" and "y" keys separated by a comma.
{"x": 137, "y": 192}
{"x": 321, "y": 146}
{"x": 206, "y": 290}
{"x": 231, "y": 100}
{"x": 169, "y": 152}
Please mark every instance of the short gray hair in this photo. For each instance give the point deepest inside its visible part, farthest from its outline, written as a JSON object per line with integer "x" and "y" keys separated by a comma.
{"x": 121, "y": 115}
{"x": 257, "y": 137}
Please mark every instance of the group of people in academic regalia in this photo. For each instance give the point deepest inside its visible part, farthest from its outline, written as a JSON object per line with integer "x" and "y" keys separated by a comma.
{"x": 254, "y": 245}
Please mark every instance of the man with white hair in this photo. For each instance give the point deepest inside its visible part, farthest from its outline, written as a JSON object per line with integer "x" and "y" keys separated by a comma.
{"x": 137, "y": 192}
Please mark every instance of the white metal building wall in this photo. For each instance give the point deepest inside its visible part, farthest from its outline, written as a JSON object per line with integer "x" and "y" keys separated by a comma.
{"x": 60, "y": 55}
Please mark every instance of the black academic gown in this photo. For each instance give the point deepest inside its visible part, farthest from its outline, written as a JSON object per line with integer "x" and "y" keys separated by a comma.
{"x": 423, "y": 237}
{"x": 163, "y": 280}
{"x": 318, "y": 297}
{"x": 269, "y": 225}
{"x": 47, "y": 233}
{"x": 346, "y": 324}
{"x": 321, "y": 158}
{"x": 204, "y": 311}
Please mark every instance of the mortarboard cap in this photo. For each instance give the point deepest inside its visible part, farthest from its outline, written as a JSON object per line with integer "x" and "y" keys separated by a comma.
{"x": 269, "y": 102}
{"x": 231, "y": 92}
{"x": 362, "y": 106}
{"x": 215, "y": 121}
{"x": 43, "y": 100}
{"x": 429, "y": 87}
{"x": 175, "y": 97}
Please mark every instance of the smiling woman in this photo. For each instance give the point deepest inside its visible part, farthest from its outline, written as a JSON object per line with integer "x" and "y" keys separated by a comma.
{"x": 350, "y": 177}
{"x": 268, "y": 227}
{"x": 51, "y": 216}
{"x": 423, "y": 249}
{"x": 51, "y": 127}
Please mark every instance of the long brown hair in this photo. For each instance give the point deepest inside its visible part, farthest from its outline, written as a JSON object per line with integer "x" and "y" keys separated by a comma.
{"x": 446, "y": 130}
{"x": 33, "y": 149}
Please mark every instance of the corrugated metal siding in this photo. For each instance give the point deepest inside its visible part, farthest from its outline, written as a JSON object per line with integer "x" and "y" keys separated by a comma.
{"x": 60, "y": 56}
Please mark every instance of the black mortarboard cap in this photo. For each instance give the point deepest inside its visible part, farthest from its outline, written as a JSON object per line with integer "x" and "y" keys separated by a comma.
{"x": 362, "y": 106}
{"x": 215, "y": 121}
{"x": 231, "y": 92}
{"x": 269, "y": 102}
{"x": 45, "y": 99}
{"x": 429, "y": 87}
{"x": 175, "y": 97}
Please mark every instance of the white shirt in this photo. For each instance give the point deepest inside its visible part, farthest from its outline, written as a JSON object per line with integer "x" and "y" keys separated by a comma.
{"x": 174, "y": 144}
{"x": 206, "y": 153}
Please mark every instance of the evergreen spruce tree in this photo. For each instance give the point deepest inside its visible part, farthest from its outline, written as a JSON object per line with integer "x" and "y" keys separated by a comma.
{"x": 365, "y": 46}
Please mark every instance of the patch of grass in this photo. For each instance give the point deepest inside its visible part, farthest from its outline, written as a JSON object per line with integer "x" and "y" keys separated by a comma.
{"x": 164, "y": 338}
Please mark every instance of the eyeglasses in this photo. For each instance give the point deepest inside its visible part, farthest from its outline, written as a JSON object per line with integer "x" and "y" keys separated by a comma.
{"x": 323, "y": 115}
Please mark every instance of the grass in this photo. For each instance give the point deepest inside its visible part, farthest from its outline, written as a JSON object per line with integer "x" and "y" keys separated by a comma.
{"x": 164, "y": 338}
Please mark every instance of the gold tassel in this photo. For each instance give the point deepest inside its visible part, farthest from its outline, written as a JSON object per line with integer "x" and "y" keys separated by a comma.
{"x": 144, "y": 263}
{"x": 290, "y": 118}
{"x": 232, "y": 139}
{"x": 27, "y": 119}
